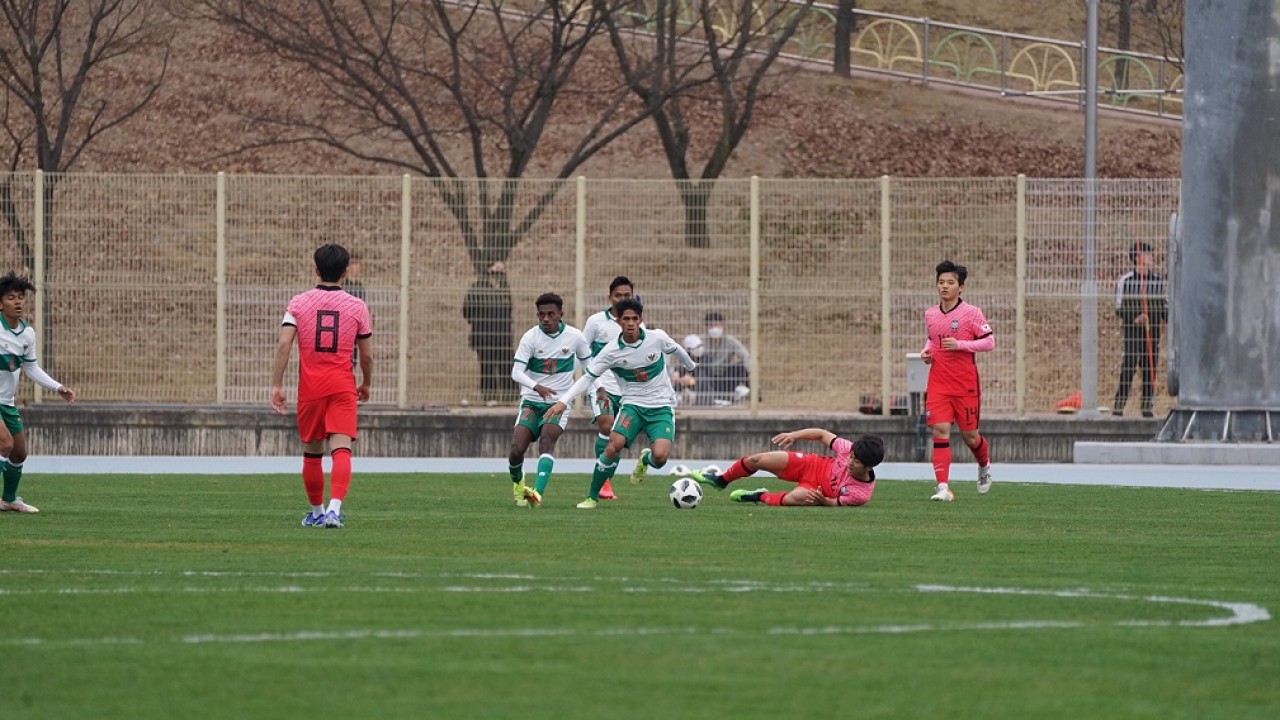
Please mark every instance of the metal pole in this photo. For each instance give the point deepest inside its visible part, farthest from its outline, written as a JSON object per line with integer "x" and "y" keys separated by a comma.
{"x": 754, "y": 301}
{"x": 1089, "y": 288}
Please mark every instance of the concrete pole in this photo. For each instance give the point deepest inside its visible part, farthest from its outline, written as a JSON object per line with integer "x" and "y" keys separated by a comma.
{"x": 1089, "y": 288}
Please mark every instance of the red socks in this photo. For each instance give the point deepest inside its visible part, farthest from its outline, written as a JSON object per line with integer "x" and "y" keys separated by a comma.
{"x": 773, "y": 498}
{"x": 942, "y": 460}
{"x": 736, "y": 471}
{"x": 982, "y": 452}
{"x": 313, "y": 478}
{"x": 340, "y": 474}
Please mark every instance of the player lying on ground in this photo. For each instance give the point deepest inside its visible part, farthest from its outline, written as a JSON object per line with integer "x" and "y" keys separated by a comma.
{"x": 846, "y": 479}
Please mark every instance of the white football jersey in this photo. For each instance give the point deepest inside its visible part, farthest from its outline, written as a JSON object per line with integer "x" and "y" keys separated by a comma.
{"x": 641, "y": 368}
{"x": 601, "y": 330}
{"x": 550, "y": 360}
{"x": 17, "y": 347}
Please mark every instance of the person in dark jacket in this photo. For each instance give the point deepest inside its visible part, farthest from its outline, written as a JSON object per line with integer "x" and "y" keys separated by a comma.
{"x": 1141, "y": 305}
{"x": 487, "y": 307}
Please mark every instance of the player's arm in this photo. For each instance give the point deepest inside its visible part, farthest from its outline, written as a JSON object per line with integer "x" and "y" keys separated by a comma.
{"x": 926, "y": 353}
{"x": 365, "y": 346}
{"x": 582, "y": 385}
{"x": 287, "y": 335}
{"x": 671, "y": 347}
{"x": 787, "y": 439}
{"x": 37, "y": 373}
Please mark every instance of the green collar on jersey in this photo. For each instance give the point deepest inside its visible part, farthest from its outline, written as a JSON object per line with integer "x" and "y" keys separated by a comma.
{"x": 554, "y": 334}
{"x": 622, "y": 343}
{"x": 16, "y": 331}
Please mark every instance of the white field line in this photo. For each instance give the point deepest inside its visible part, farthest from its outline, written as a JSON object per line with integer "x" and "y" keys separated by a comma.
{"x": 1237, "y": 613}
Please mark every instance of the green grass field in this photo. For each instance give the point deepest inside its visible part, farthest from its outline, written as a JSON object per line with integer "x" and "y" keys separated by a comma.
{"x": 191, "y": 597}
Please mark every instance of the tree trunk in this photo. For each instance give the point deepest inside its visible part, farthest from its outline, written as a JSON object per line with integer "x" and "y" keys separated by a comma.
{"x": 846, "y": 24}
{"x": 1124, "y": 40}
{"x": 696, "y": 195}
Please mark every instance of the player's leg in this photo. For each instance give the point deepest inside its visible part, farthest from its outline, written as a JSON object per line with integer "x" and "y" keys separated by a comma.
{"x": 13, "y": 448}
{"x": 604, "y": 409}
{"x": 340, "y": 424}
{"x": 312, "y": 434}
{"x": 549, "y": 436}
{"x": 1147, "y": 367}
{"x": 624, "y": 431}
{"x": 939, "y": 413}
{"x": 526, "y": 430}
{"x": 659, "y": 426}
{"x": 967, "y": 417}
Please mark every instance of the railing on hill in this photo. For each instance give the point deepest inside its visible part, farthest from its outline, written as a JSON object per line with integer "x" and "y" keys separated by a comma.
{"x": 931, "y": 51}
{"x": 170, "y": 288}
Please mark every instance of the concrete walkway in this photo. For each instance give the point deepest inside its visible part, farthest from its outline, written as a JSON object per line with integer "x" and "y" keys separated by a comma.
{"x": 1202, "y": 477}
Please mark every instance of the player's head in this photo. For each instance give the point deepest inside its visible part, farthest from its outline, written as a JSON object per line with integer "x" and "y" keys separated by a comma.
{"x": 13, "y": 294}
{"x": 550, "y": 308}
{"x": 331, "y": 262}
{"x": 950, "y": 281}
{"x": 715, "y": 324}
{"x": 620, "y": 289}
{"x": 868, "y": 450}
{"x": 1139, "y": 250}
{"x": 946, "y": 266}
{"x": 630, "y": 315}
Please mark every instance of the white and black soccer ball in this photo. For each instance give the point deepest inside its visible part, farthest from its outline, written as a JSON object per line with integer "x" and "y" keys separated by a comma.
{"x": 686, "y": 494}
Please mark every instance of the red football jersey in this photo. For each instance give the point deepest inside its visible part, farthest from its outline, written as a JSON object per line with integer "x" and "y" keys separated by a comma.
{"x": 328, "y": 320}
{"x": 954, "y": 372}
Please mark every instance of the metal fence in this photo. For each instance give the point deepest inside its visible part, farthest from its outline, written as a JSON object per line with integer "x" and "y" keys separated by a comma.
{"x": 170, "y": 289}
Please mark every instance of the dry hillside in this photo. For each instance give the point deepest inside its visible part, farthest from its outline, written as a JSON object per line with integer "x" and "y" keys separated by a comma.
{"x": 813, "y": 124}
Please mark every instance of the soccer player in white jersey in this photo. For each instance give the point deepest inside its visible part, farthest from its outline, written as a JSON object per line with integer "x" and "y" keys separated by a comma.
{"x": 638, "y": 358}
{"x": 602, "y": 329}
{"x": 18, "y": 353}
{"x": 545, "y": 361}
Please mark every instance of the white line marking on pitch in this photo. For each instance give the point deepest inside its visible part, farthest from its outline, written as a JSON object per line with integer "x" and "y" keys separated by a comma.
{"x": 1240, "y": 613}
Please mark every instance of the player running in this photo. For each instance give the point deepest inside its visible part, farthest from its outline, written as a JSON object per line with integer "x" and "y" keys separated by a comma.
{"x": 329, "y": 325}
{"x": 638, "y": 358}
{"x": 602, "y": 329}
{"x": 843, "y": 480}
{"x": 545, "y": 360}
{"x": 956, "y": 330}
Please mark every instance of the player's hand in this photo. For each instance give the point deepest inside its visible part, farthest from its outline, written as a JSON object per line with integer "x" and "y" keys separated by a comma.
{"x": 926, "y": 357}
{"x": 67, "y": 394}
{"x": 544, "y": 392}
{"x": 362, "y": 393}
{"x": 950, "y": 343}
{"x": 278, "y": 401}
{"x": 805, "y": 496}
{"x": 784, "y": 440}
{"x": 554, "y": 411}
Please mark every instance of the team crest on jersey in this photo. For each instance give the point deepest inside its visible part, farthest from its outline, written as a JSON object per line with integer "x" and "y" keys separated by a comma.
{"x": 955, "y": 324}
{"x": 653, "y": 356}
{"x": 986, "y": 328}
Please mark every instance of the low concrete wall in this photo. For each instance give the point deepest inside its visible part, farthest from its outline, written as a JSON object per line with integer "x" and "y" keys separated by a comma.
{"x": 235, "y": 430}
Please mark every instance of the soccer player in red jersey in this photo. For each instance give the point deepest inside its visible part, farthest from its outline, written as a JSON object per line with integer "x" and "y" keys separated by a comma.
{"x": 843, "y": 480}
{"x": 328, "y": 324}
{"x": 956, "y": 331}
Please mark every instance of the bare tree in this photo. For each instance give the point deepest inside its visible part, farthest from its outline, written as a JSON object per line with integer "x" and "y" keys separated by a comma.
{"x": 721, "y": 57}
{"x": 447, "y": 89}
{"x": 1163, "y": 28}
{"x": 71, "y": 70}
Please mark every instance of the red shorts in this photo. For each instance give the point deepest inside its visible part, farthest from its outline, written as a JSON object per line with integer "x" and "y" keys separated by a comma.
{"x": 963, "y": 410}
{"x": 329, "y": 415}
{"x": 808, "y": 470}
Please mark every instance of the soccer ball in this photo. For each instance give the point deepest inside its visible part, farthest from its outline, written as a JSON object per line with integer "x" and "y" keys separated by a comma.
{"x": 686, "y": 494}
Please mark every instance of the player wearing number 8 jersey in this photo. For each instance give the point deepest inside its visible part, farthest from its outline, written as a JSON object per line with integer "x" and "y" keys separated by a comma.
{"x": 956, "y": 330}
{"x": 638, "y": 359}
{"x": 328, "y": 324}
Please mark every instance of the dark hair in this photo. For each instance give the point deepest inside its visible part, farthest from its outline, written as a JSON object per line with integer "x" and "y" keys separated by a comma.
{"x": 1138, "y": 247}
{"x": 631, "y": 303}
{"x": 549, "y": 299}
{"x": 946, "y": 266}
{"x": 619, "y": 281}
{"x": 713, "y": 317}
{"x": 13, "y": 283}
{"x": 869, "y": 450}
{"x": 332, "y": 260}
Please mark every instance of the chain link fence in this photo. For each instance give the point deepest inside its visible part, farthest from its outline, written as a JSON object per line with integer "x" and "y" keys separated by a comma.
{"x": 170, "y": 289}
